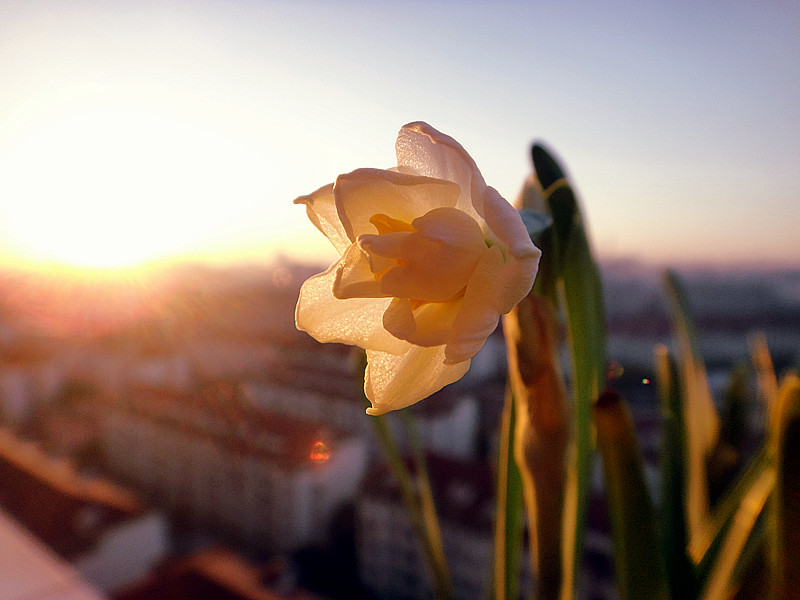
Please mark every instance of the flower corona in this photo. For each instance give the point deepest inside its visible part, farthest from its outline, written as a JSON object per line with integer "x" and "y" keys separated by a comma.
{"x": 430, "y": 258}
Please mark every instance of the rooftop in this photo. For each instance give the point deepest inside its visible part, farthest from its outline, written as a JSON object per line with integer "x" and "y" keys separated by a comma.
{"x": 31, "y": 571}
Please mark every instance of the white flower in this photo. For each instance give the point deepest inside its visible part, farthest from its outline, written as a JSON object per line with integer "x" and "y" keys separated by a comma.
{"x": 430, "y": 258}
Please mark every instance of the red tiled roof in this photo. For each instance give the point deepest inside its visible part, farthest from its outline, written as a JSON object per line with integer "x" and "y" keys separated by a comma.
{"x": 50, "y": 498}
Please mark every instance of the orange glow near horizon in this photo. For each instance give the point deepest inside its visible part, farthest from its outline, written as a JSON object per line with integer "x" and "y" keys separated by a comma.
{"x": 137, "y": 132}
{"x": 99, "y": 180}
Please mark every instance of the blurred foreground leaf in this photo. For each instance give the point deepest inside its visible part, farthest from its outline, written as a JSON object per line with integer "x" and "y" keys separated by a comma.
{"x": 508, "y": 523}
{"x": 729, "y": 566}
{"x": 578, "y": 279}
{"x": 786, "y": 540}
{"x": 700, "y": 418}
{"x": 638, "y": 562}
{"x": 674, "y": 537}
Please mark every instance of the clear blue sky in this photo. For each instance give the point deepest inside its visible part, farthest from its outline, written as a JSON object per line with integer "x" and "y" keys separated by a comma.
{"x": 189, "y": 127}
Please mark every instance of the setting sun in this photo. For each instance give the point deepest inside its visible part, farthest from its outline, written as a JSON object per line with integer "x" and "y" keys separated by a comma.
{"x": 77, "y": 197}
{"x": 93, "y": 180}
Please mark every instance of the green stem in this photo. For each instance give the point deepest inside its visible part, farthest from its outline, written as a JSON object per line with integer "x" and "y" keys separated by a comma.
{"x": 427, "y": 506}
{"x": 508, "y": 524}
{"x": 418, "y": 499}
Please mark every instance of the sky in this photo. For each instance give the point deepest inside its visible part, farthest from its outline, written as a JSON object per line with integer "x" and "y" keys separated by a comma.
{"x": 133, "y": 131}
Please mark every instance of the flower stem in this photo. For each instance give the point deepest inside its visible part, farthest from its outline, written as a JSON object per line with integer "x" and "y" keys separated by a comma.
{"x": 418, "y": 499}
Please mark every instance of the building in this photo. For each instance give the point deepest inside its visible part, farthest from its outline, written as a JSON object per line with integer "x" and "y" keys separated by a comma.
{"x": 215, "y": 574}
{"x": 265, "y": 480}
{"x": 106, "y": 532}
{"x": 390, "y": 559}
{"x": 330, "y": 393}
{"x": 30, "y": 570}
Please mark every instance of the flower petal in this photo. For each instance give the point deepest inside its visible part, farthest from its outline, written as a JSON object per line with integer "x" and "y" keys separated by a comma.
{"x": 495, "y": 288}
{"x": 426, "y": 324}
{"x": 506, "y": 225}
{"x": 355, "y": 321}
{"x": 433, "y": 264}
{"x": 423, "y": 150}
{"x": 396, "y": 381}
{"x": 366, "y": 192}
{"x": 354, "y": 276}
{"x": 321, "y": 211}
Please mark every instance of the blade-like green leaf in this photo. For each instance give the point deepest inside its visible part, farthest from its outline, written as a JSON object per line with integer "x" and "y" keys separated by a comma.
{"x": 508, "y": 524}
{"x": 680, "y": 570}
{"x": 638, "y": 562}
{"x": 582, "y": 299}
{"x": 710, "y": 540}
{"x": 586, "y": 328}
{"x": 765, "y": 371}
{"x": 566, "y": 216}
{"x": 721, "y": 581}
{"x": 561, "y": 203}
{"x": 729, "y": 453}
{"x": 786, "y": 525}
{"x": 700, "y": 417}
{"x": 547, "y": 168}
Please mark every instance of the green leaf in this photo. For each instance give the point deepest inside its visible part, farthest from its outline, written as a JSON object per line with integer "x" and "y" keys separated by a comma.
{"x": 709, "y": 541}
{"x": 564, "y": 209}
{"x": 765, "y": 371}
{"x": 786, "y": 525}
{"x": 582, "y": 298}
{"x": 509, "y": 521}
{"x": 427, "y": 507}
{"x": 683, "y": 582}
{"x": 638, "y": 563}
{"x": 586, "y": 328}
{"x": 729, "y": 452}
{"x": 730, "y": 562}
{"x": 561, "y": 201}
{"x": 547, "y": 168}
{"x": 699, "y": 415}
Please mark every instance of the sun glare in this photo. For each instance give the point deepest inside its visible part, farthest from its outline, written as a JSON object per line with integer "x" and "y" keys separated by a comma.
{"x": 110, "y": 184}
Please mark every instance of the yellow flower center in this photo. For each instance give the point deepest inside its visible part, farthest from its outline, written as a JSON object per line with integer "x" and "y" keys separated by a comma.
{"x": 428, "y": 260}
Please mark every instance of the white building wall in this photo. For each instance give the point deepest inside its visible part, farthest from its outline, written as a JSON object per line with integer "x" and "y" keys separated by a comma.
{"x": 126, "y": 553}
{"x": 454, "y": 433}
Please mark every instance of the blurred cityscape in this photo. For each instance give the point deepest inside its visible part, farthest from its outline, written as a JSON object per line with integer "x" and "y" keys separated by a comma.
{"x": 177, "y": 437}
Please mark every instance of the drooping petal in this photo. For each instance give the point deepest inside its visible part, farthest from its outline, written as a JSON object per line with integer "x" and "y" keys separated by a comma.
{"x": 355, "y": 321}
{"x": 395, "y": 381}
{"x": 321, "y": 211}
{"x": 355, "y": 278}
{"x": 423, "y": 324}
{"x": 423, "y": 150}
{"x": 363, "y": 193}
{"x": 505, "y": 224}
{"x": 495, "y": 288}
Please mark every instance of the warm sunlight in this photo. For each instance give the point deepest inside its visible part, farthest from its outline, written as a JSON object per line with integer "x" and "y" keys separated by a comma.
{"x": 96, "y": 181}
